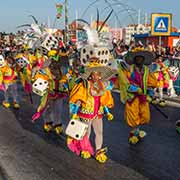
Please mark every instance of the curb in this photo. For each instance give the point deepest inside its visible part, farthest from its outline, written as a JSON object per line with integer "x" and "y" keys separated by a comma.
{"x": 174, "y": 99}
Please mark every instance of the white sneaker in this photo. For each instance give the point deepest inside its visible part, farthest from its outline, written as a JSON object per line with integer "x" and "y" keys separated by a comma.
{"x": 173, "y": 95}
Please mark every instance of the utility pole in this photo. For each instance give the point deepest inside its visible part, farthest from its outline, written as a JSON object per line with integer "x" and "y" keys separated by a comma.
{"x": 66, "y": 21}
{"x": 146, "y": 19}
{"x": 139, "y": 16}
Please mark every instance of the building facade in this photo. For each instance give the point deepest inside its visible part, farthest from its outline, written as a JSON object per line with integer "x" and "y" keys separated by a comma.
{"x": 136, "y": 29}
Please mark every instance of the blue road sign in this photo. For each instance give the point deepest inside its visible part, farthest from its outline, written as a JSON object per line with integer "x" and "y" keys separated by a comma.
{"x": 161, "y": 24}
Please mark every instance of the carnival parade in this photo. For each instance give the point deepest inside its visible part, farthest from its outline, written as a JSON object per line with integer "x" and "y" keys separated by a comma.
{"x": 91, "y": 91}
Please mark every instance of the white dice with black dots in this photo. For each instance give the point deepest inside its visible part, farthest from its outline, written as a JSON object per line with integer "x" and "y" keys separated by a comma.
{"x": 76, "y": 129}
{"x": 89, "y": 51}
{"x": 40, "y": 86}
{"x": 22, "y": 62}
{"x": 113, "y": 64}
{"x": 2, "y": 61}
{"x": 57, "y": 37}
{"x": 50, "y": 43}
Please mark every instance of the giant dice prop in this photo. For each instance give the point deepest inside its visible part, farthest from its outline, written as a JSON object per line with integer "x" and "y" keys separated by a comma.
{"x": 22, "y": 62}
{"x": 40, "y": 86}
{"x": 76, "y": 129}
{"x": 89, "y": 51}
{"x": 50, "y": 43}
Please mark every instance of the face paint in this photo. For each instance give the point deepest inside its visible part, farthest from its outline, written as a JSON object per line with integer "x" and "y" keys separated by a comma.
{"x": 95, "y": 76}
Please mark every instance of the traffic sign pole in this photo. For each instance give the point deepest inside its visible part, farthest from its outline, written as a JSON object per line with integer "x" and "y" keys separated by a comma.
{"x": 160, "y": 43}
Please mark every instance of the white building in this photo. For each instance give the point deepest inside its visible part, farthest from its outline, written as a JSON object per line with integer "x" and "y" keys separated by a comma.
{"x": 118, "y": 33}
{"x": 136, "y": 29}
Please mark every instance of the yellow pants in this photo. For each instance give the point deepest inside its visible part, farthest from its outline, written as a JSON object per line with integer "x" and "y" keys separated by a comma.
{"x": 137, "y": 113}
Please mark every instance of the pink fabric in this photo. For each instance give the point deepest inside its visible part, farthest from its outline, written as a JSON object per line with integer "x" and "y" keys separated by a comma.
{"x": 166, "y": 85}
{"x": 139, "y": 82}
{"x": 114, "y": 79}
{"x": 96, "y": 109}
{"x": 2, "y": 88}
{"x": 77, "y": 146}
{"x": 39, "y": 62}
{"x": 37, "y": 115}
{"x": 28, "y": 87}
{"x": 161, "y": 76}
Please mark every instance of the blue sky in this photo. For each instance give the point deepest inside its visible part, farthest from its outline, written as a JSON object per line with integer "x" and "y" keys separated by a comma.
{"x": 15, "y": 12}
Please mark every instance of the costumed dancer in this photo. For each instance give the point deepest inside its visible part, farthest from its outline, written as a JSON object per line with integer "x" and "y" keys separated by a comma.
{"x": 24, "y": 63}
{"x": 136, "y": 91}
{"x": 162, "y": 75}
{"x": 55, "y": 89}
{"x": 90, "y": 100}
{"x": 8, "y": 79}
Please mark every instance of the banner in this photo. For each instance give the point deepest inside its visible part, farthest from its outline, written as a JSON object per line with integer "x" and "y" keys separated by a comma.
{"x": 59, "y": 9}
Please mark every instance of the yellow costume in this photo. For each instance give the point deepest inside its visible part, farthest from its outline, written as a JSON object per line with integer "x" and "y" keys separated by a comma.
{"x": 136, "y": 112}
{"x": 8, "y": 78}
{"x": 136, "y": 89}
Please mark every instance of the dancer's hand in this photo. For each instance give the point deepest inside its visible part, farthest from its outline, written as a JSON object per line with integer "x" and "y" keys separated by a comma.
{"x": 110, "y": 117}
{"x": 140, "y": 91}
{"x": 75, "y": 116}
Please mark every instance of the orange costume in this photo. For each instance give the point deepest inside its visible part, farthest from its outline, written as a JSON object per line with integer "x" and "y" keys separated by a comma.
{"x": 88, "y": 102}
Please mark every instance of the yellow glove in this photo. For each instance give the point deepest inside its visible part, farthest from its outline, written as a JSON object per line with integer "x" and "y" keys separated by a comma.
{"x": 140, "y": 91}
{"x": 110, "y": 117}
{"x": 149, "y": 99}
{"x": 75, "y": 116}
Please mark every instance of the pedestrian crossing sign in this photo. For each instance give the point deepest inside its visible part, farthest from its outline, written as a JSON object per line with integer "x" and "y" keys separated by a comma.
{"x": 161, "y": 24}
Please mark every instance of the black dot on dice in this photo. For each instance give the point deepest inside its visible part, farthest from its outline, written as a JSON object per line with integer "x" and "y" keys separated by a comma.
{"x": 84, "y": 51}
{"x": 40, "y": 83}
{"x": 91, "y": 52}
{"x": 84, "y": 61}
{"x": 77, "y": 135}
{"x": 72, "y": 123}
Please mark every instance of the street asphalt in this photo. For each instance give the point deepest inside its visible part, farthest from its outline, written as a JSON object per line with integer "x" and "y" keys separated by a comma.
{"x": 27, "y": 153}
